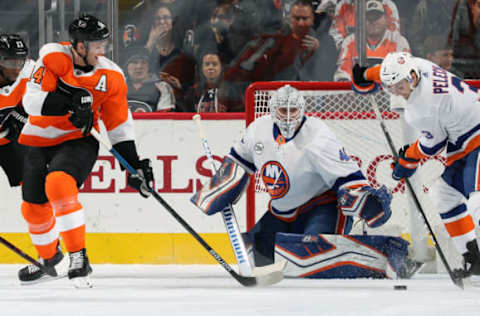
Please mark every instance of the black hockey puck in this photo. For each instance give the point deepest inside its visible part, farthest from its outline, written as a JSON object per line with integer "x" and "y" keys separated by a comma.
{"x": 399, "y": 287}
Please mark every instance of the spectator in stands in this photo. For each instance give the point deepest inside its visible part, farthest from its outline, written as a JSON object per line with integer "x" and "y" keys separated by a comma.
{"x": 160, "y": 38}
{"x": 296, "y": 52}
{"x": 266, "y": 57}
{"x": 465, "y": 38}
{"x": 380, "y": 41}
{"x": 430, "y": 17}
{"x": 214, "y": 36}
{"x": 204, "y": 95}
{"x": 324, "y": 15}
{"x": 170, "y": 63}
{"x": 439, "y": 51}
{"x": 146, "y": 92}
{"x": 344, "y": 21}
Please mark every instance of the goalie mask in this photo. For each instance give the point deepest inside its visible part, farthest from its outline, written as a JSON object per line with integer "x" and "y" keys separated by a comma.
{"x": 287, "y": 108}
{"x": 395, "y": 68}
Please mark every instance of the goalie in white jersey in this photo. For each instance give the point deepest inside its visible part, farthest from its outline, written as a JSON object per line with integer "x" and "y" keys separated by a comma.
{"x": 444, "y": 110}
{"x": 315, "y": 191}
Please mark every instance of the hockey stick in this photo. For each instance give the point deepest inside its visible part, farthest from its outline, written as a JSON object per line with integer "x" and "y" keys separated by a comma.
{"x": 245, "y": 281}
{"x": 12, "y": 247}
{"x": 273, "y": 271}
{"x": 456, "y": 280}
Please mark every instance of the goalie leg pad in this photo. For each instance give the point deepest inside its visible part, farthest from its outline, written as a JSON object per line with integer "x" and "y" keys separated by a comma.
{"x": 224, "y": 189}
{"x": 367, "y": 203}
{"x": 327, "y": 256}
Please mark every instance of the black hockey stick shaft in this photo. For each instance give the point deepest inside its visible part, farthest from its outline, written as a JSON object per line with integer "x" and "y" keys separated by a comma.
{"x": 245, "y": 281}
{"x": 22, "y": 254}
{"x": 456, "y": 280}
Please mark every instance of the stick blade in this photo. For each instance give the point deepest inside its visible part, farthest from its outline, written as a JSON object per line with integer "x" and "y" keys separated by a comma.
{"x": 270, "y": 274}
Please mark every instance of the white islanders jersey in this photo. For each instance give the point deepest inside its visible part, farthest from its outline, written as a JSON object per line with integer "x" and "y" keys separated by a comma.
{"x": 309, "y": 165}
{"x": 446, "y": 112}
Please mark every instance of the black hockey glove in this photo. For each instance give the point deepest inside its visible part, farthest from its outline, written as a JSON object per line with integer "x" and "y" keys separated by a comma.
{"x": 81, "y": 113}
{"x": 358, "y": 75}
{"x": 13, "y": 120}
{"x": 142, "y": 181}
{"x": 360, "y": 84}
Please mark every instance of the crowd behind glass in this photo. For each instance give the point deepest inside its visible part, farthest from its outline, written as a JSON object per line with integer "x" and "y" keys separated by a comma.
{"x": 200, "y": 55}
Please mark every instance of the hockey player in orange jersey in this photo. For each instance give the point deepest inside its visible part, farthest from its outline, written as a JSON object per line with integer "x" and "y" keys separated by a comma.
{"x": 15, "y": 70}
{"x": 71, "y": 86}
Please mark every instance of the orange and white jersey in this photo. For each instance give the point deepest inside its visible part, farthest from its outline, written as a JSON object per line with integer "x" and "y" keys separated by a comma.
{"x": 376, "y": 52}
{"x": 445, "y": 112}
{"x": 11, "y": 95}
{"x": 344, "y": 22}
{"x": 105, "y": 82}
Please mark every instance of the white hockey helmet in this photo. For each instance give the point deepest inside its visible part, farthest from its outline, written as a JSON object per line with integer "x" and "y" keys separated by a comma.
{"x": 287, "y": 107}
{"x": 396, "y": 67}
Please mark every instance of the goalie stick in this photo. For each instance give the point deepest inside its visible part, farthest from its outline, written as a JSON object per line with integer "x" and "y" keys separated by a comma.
{"x": 273, "y": 271}
{"x": 243, "y": 280}
{"x": 458, "y": 281}
{"x": 12, "y": 247}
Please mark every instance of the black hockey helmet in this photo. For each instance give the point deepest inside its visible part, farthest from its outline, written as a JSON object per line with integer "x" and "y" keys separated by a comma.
{"x": 12, "y": 46}
{"x": 87, "y": 28}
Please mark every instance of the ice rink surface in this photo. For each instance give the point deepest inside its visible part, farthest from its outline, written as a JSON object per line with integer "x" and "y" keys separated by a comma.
{"x": 135, "y": 290}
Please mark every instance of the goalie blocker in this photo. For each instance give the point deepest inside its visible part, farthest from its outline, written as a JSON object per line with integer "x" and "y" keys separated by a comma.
{"x": 225, "y": 188}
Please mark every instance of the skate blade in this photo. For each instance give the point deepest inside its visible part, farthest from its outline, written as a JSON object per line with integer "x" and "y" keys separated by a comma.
{"x": 43, "y": 279}
{"x": 82, "y": 282}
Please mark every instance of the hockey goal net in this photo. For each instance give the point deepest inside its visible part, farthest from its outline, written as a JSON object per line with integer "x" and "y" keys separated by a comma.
{"x": 351, "y": 117}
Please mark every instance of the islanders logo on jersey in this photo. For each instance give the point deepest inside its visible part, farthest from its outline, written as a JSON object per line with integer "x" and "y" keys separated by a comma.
{"x": 275, "y": 179}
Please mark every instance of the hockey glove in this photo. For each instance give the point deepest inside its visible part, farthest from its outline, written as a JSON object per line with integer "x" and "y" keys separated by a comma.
{"x": 359, "y": 83}
{"x": 404, "y": 167}
{"x": 142, "y": 181}
{"x": 223, "y": 189}
{"x": 367, "y": 203}
{"x": 13, "y": 120}
{"x": 81, "y": 113}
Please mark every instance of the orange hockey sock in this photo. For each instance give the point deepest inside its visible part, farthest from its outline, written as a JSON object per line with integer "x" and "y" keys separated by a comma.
{"x": 41, "y": 225}
{"x": 62, "y": 192}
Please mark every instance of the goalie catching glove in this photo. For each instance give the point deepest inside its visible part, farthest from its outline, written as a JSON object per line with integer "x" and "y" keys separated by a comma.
{"x": 223, "y": 189}
{"x": 12, "y": 120}
{"x": 404, "y": 167}
{"x": 367, "y": 203}
{"x": 360, "y": 83}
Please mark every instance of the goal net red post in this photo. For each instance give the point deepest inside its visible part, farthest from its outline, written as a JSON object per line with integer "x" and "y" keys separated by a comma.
{"x": 351, "y": 118}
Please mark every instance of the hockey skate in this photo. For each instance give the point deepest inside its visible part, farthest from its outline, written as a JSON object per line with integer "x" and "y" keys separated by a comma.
{"x": 80, "y": 269}
{"x": 471, "y": 261}
{"x": 31, "y": 274}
